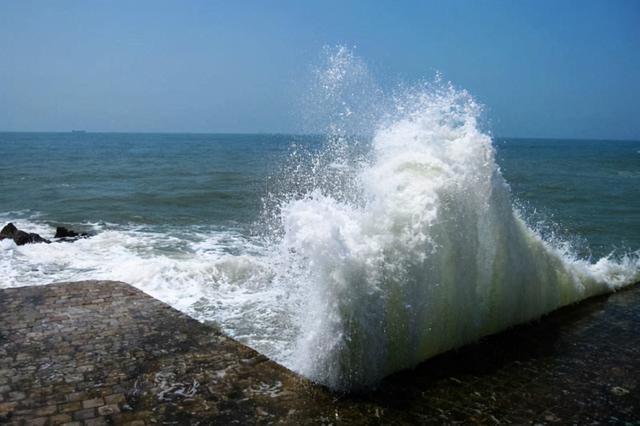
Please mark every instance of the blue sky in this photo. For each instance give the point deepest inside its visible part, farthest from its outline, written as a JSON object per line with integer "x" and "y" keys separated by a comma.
{"x": 541, "y": 68}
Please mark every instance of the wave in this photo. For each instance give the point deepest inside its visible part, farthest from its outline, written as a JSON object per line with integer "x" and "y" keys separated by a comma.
{"x": 432, "y": 255}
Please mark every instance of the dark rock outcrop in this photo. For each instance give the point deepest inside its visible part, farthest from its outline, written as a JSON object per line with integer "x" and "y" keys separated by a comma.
{"x": 62, "y": 232}
{"x": 21, "y": 237}
{"x": 69, "y": 235}
{"x": 8, "y": 231}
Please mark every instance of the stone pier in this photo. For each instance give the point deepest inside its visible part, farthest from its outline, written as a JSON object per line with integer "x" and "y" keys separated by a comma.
{"x": 102, "y": 352}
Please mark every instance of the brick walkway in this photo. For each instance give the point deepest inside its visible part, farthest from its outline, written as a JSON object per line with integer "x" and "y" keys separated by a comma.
{"x": 105, "y": 353}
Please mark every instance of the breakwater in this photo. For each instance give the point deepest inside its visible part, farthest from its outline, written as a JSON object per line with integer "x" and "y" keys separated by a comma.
{"x": 102, "y": 352}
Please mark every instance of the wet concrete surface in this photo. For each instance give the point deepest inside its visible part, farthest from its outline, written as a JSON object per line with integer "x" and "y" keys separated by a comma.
{"x": 102, "y": 352}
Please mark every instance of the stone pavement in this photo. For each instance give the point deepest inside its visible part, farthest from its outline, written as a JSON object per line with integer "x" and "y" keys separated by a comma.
{"x": 104, "y": 352}
{"x": 101, "y": 352}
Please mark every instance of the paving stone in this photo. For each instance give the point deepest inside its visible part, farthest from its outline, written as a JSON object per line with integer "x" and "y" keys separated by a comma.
{"x": 107, "y": 410}
{"x": 59, "y": 419}
{"x": 45, "y": 411}
{"x": 114, "y": 399}
{"x": 6, "y": 410}
{"x": 98, "y": 421}
{"x": 102, "y": 352}
{"x": 87, "y": 413}
{"x": 40, "y": 421}
{"x": 70, "y": 407}
{"x": 16, "y": 396}
{"x": 90, "y": 403}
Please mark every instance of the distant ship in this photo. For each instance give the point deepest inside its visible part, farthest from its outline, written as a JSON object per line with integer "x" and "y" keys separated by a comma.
{"x": 78, "y": 131}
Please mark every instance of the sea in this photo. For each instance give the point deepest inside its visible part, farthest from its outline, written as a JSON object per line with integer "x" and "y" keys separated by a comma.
{"x": 191, "y": 186}
{"x": 401, "y": 230}
{"x": 180, "y": 216}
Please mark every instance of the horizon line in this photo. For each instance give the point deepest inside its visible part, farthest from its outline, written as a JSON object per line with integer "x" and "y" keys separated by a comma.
{"x": 80, "y": 132}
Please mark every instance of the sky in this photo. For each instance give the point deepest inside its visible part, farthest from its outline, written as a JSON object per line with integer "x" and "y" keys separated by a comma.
{"x": 565, "y": 69}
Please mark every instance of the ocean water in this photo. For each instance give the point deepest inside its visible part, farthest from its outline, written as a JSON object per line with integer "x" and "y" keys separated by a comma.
{"x": 586, "y": 191}
{"x": 345, "y": 256}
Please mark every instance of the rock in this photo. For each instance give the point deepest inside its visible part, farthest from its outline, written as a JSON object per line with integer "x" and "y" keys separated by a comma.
{"x": 8, "y": 231}
{"x": 20, "y": 237}
{"x": 62, "y": 232}
{"x": 69, "y": 235}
